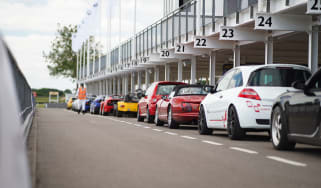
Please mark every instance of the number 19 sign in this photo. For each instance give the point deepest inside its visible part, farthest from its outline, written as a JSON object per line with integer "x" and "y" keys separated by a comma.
{"x": 314, "y": 7}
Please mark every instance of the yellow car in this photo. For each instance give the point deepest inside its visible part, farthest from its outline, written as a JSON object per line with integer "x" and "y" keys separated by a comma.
{"x": 69, "y": 103}
{"x": 127, "y": 106}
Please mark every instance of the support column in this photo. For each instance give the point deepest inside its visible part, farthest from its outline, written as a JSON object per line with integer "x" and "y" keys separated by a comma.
{"x": 114, "y": 87}
{"x": 313, "y": 49}
{"x": 167, "y": 72}
{"x": 212, "y": 68}
{"x": 84, "y": 60}
{"x": 118, "y": 86}
{"x": 180, "y": 71}
{"x": 156, "y": 74}
{"x": 269, "y": 50}
{"x": 147, "y": 78}
{"x": 126, "y": 84}
{"x": 237, "y": 55}
{"x": 139, "y": 80}
{"x": 193, "y": 70}
{"x": 88, "y": 58}
{"x": 132, "y": 82}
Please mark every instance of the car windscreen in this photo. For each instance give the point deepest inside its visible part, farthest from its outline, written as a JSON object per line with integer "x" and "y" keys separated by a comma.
{"x": 192, "y": 91}
{"x": 277, "y": 77}
{"x": 165, "y": 89}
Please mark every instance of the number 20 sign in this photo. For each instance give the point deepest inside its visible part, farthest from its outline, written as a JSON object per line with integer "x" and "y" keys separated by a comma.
{"x": 314, "y": 7}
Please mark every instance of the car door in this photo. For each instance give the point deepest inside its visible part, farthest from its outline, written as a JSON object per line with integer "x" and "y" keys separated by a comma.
{"x": 214, "y": 106}
{"x": 165, "y": 104}
{"x": 303, "y": 108}
{"x": 144, "y": 101}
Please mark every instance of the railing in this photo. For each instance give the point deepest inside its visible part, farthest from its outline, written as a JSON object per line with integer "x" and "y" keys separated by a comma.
{"x": 179, "y": 26}
{"x": 17, "y": 107}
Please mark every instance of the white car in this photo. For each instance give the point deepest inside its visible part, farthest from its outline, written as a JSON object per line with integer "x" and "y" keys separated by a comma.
{"x": 242, "y": 99}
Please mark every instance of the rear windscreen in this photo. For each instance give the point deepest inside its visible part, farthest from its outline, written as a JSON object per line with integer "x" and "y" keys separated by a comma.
{"x": 164, "y": 89}
{"x": 277, "y": 77}
{"x": 192, "y": 91}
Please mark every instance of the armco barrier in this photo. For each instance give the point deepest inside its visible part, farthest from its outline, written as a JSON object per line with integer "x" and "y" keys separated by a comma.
{"x": 17, "y": 109}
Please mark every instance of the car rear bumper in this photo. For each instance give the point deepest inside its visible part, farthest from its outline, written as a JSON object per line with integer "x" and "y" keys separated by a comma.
{"x": 186, "y": 117}
{"x": 254, "y": 114}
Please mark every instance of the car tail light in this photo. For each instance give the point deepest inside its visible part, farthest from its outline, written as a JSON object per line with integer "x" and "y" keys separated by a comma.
{"x": 249, "y": 94}
{"x": 122, "y": 106}
{"x": 186, "y": 107}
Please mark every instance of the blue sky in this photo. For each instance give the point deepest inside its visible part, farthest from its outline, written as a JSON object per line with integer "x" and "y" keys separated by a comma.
{"x": 29, "y": 27}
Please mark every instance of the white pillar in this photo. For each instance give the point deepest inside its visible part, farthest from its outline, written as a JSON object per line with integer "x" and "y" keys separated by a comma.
{"x": 118, "y": 86}
{"x": 88, "y": 57}
{"x": 237, "y": 55}
{"x": 114, "y": 87}
{"x": 313, "y": 48}
{"x": 132, "y": 82}
{"x": 212, "y": 68}
{"x": 193, "y": 70}
{"x": 77, "y": 76}
{"x": 156, "y": 74}
{"x": 139, "y": 80}
{"x": 84, "y": 60}
{"x": 269, "y": 50}
{"x": 198, "y": 17}
{"x": 126, "y": 84}
{"x": 80, "y": 64}
{"x": 180, "y": 71}
{"x": 147, "y": 78}
{"x": 167, "y": 72}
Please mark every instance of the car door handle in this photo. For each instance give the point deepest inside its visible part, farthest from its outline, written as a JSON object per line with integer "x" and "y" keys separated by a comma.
{"x": 221, "y": 96}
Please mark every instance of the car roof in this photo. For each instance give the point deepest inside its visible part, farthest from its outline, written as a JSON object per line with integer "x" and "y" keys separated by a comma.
{"x": 251, "y": 68}
{"x": 169, "y": 82}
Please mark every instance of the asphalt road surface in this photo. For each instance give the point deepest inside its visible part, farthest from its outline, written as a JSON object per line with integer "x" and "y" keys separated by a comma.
{"x": 91, "y": 151}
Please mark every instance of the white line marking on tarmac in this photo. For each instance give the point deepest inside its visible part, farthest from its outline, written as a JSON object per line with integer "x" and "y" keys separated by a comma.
{"x": 170, "y": 133}
{"x": 213, "y": 143}
{"x": 158, "y": 130}
{"x": 147, "y": 127}
{"x": 137, "y": 125}
{"x": 244, "y": 150}
{"x": 189, "y": 137}
{"x": 129, "y": 123}
{"x": 282, "y": 160}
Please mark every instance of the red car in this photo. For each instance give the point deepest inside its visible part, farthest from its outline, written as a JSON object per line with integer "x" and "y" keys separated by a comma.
{"x": 147, "y": 104}
{"x": 181, "y": 106}
{"x": 107, "y": 106}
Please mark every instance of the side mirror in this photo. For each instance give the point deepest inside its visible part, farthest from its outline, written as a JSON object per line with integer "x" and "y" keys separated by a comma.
{"x": 299, "y": 85}
{"x": 213, "y": 90}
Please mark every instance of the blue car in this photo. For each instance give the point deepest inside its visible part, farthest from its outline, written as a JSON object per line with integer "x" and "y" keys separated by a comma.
{"x": 95, "y": 104}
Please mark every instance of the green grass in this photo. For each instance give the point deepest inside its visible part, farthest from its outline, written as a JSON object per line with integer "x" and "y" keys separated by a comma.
{"x": 40, "y": 105}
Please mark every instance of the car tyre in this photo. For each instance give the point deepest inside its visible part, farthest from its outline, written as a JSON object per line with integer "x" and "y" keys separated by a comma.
{"x": 279, "y": 131}
{"x": 150, "y": 119}
{"x": 157, "y": 121}
{"x": 171, "y": 122}
{"x": 139, "y": 118}
{"x": 202, "y": 125}
{"x": 235, "y": 132}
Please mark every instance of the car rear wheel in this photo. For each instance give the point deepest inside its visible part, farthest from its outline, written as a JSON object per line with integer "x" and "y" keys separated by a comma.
{"x": 279, "y": 131}
{"x": 149, "y": 118}
{"x": 202, "y": 125}
{"x": 139, "y": 118}
{"x": 157, "y": 121}
{"x": 235, "y": 132}
{"x": 171, "y": 122}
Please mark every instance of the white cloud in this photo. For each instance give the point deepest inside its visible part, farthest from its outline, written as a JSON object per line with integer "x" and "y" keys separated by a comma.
{"x": 30, "y": 25}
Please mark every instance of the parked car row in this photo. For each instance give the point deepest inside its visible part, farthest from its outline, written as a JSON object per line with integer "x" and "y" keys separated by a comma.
{"x": 283, "y": 100}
